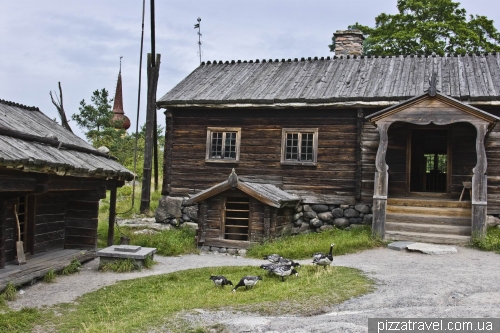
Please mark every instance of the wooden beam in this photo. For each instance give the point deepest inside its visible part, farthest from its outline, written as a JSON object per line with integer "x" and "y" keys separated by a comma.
{"x": 359, "y": 162}
{"x": 479, "y": 185}
{"x": 112, "y": 217}
{"x": 17, "y": 184}
{"x": 167, "y": 154}
{"x": 381, "y": 183}
{"x": 3, "y": 236}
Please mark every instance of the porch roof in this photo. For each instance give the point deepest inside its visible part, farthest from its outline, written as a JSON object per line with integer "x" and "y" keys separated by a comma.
{"x": 266, "y": 193}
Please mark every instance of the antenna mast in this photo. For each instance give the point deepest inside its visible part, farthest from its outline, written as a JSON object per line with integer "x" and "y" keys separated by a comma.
{"x": 197, "y": 25}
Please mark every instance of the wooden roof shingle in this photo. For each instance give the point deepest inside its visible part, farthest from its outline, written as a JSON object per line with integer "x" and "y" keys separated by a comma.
{"x": 469, "y": 78}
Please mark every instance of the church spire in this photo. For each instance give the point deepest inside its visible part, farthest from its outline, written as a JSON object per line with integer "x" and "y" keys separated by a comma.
{"x": 119, "y": 120}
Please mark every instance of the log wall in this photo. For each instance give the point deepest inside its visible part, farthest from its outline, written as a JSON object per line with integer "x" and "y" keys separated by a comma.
{"x": 49, "y": 221}
{"x": 81, "y": 224}
{"x": 332, "y": 180}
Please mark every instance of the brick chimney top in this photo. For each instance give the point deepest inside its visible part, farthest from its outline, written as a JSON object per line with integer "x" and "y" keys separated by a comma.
{"x": 348, "y": 42}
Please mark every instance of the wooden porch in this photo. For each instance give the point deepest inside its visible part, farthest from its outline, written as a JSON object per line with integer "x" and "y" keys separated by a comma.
{"x": 38, "y": 265}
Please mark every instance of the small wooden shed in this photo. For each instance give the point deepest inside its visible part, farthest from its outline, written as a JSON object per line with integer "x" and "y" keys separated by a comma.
{"x": 239, "y": 212}
{"x": 53, "y": 181}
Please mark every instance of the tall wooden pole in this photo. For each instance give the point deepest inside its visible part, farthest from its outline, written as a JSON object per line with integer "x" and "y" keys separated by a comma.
{"x": 153, "y": 73}
{"x": 112, "y": 216}
{"x": 155, "y": 152}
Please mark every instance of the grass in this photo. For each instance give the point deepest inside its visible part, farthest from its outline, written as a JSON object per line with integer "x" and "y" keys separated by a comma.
{"x": 151, "y": 302}
{"x": 303, "y": 246}
{"x": 50, "y": 277}
{"x": 491, "y": 242}
{"x": 10, "y": 292}
{"x": 72, "y": 268}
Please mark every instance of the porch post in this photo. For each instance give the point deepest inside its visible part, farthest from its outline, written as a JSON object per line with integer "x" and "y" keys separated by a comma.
{"x": 479, "y": 185}
{"x": 381, "y": 183}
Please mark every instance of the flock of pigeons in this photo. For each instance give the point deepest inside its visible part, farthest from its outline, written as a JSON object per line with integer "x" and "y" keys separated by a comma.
{"x": 278, "y": 265}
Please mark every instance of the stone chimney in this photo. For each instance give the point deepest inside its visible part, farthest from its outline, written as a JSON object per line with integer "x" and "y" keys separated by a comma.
{"x": 348, "y": 42}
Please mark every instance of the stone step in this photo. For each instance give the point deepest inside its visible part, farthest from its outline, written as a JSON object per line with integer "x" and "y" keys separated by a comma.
{"x": 439, "y": 211}
{"x": 429, "y": 228}
{"x": 427, "y": 238}
{"x": 428, "y": 219}
{"x": 428, "y": 202}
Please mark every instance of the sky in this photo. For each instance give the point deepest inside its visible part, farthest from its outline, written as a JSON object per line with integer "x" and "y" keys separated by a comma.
{"x": 79, "y": 43}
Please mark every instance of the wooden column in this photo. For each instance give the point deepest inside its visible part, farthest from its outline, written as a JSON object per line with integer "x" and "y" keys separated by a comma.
{"x": 202, "y": 218}
{"x": 479, "y": 185}
{"x": 381, "y": 183}
{"x": 267, "y": 222}
{"x": 3, "y": 236}
{"x": 112, "y": 216}
{"x": 167, "y": 153}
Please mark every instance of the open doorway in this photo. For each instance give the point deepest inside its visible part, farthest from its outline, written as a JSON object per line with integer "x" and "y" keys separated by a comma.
{"x": 430, "y": 160}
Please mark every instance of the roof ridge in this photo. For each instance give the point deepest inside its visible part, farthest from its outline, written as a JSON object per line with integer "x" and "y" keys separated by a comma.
{"x": 433, "y": 55}
{"x": 30, "y": 108}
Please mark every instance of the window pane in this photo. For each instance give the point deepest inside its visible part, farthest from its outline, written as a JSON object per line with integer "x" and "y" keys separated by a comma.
{"x": 306, "y": 147}
{"x": 292, "y": 149}
{"x": 230, "y": 145}
{"x": 216, "y": 151}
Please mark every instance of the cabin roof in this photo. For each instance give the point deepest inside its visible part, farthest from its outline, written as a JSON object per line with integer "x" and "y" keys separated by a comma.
{"x": 341, "y": 81}
{"x": 31, "y": 141}
{"x": 266, "y": 193}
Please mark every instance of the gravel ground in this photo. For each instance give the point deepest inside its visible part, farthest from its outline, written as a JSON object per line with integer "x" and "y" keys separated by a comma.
{"x": 409, "y": 284}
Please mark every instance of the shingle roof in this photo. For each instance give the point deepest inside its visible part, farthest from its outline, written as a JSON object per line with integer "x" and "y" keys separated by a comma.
{"x": 266, "y": 193}
{"x": 31, "y": 141}
{"x": 345, "y": 79}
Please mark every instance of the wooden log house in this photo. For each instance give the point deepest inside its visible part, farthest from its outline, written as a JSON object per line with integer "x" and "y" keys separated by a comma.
{"x": 401, "y": 133}
{"x": 53, "y": 181}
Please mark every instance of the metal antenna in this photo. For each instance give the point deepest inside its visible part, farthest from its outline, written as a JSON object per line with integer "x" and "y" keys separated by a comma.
{"x": 197, "y": 25}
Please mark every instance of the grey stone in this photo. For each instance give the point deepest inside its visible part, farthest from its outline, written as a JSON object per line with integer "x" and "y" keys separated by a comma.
{"x": 367, "y": 219}
{"x": 432, "y": 248}
{"x": 185, "y": 217}
{"x": 326, "y": 227}
{"x": 205, "y": 248}
{"x": 498, "y": 226}
{"x": 331, "y": 207}
{"x": 295, "y": 231}
{"x": 341, "y": 222}
{"x": 287, "y": 229}
{"x": 192, "y": 212}
{"x": 222, "y": 250}
{"x": 344, "y": 206}
{"x": 350, "y": 212}
{"x": 355, "y": 220}
{"x": 168, "y": 207}
{"x": 298, "y": 209}
{"x": 214, "y": 249}
{"x": 145, "y": 232}
{"x": 492, "y": 221}
{"x": 175, "y": 222}
{"x": 242, "y": 252}
{"x": 298, "y": 223}
{"x": 307, "y": 208}
{"x": 326, "y": 216}
{"x": 309, "y": 215}
{"x": 338, "y": 212}
{"x": 191, "y": 225}
{"x": 111, "y": 252}
{"x": 316, "y": 223}
{"x": 297, "y": 216}
{"x": 361, "y": 214}
{"x": 319, "y": 208}
{"x": 362, "y": 208}
{"x": 399, "y": 246}
{"x": 232, "y": 251}
{"x": 304, "y": 227}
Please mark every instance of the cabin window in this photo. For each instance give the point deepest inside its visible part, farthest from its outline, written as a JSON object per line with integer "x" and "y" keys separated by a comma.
{"x": 223, "y": 144}
{"x": 299, "y": 146}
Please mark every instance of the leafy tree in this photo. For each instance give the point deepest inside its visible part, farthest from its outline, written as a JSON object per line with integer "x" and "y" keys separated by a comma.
{"x": 426, "y": 26}
{"x": 94, "y": 117}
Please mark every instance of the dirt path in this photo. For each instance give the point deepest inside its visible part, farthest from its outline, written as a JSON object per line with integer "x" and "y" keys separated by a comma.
{"x": 465, "y": 284}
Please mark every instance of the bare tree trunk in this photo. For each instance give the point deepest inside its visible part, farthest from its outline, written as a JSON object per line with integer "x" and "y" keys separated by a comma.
{"x": 60, "y": 108}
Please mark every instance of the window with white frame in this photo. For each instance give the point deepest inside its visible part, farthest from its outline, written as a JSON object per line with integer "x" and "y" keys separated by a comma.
{"x": 223, "y": 144}
{"x": 299, "y": 146}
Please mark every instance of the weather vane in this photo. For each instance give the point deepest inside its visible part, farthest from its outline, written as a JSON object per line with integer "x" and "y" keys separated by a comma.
{"x": 197, "y": 25}
{"x": 121, "y": 63}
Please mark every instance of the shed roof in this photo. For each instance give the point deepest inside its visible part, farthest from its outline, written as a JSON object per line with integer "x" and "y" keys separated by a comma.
{"x": 31, "y": 141}
{"x": 341, "y": 81}
{"x": 266, "y": 193}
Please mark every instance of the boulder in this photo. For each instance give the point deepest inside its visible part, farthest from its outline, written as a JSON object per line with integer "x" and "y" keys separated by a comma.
{"x": 341, "y": 222}
{"x": 205, "y": 248}
{"x": 316, "y": 223}
{"x": 191, "y": 225}
{"x": 298, "y": 209}
{"x": 350, "y": 212}
{"x": 326, "y": 227}
{"x": 185, "y": 217}
{"x": 242, "y": 252}
{"x": 214, "y": 249}
{"x": 362, "y": 208}
{"x": 168, "y": 207}
{"x": 355, "y": 220}
{"x": 307, "y": 208}
{"x": 298, "y": 223}
{"x": 344, "y": 206}
{"x": 222, "y": 250}
{"x": 192, "y": 212}
{"x": 232, "y": 251}
{"x": 309, "y": 215}
{"x": 492, "y": 221}
{"x": 338, "y": 212}
{"x": 319, "y": 208}
{"x": 297, "y": 216}
{"x": 326, "y": 216}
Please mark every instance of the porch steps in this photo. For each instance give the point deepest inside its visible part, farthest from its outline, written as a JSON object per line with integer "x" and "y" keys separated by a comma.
{"x": 430, "y": 220}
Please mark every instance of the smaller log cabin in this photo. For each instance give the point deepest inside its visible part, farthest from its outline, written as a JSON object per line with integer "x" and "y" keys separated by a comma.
{"x": 239, "y": 211}
{"x": 53, "y": 181}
